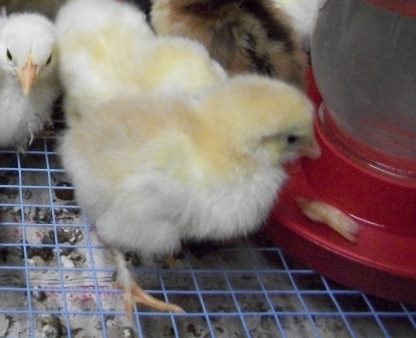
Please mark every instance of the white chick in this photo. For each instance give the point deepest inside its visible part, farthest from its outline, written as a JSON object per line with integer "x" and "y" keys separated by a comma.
{"x": 108, "y": 49}
{"x": 303, "y": 14}
{"x": 152, "y": 171}
{"x": 28, "y": 77}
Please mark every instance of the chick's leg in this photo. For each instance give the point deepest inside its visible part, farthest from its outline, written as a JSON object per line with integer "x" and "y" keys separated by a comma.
{"x": 325, "y": 213}
{"x": 171, "y": 261}
{"x": 133, "y": 293}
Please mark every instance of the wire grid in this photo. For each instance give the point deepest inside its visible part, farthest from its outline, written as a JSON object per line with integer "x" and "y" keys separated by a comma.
{"x": 56, "y": 279}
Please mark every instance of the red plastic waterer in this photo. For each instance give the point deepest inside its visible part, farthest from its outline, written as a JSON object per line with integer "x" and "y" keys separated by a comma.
{"x": 364, "y": 62}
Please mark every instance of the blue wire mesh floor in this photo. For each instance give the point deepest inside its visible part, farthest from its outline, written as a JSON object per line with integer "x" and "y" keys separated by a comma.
{"x": 56, "y": 279}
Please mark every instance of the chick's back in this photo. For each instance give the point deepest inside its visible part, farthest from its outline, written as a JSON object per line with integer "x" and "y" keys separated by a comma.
{"x": 135, "y": 148}
{"x": 123, "y": 131}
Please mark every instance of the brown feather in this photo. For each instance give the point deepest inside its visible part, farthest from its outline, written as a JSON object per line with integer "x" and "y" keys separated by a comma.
{"x": 243, "y": 35}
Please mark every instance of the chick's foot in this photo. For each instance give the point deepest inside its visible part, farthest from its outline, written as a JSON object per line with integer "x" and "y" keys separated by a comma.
{"x": 133, "y": 293}
{"x": 327, "y": 214}
{"x": 171, "y": 262}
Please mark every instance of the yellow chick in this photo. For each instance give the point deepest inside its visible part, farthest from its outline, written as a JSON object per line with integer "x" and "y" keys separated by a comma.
{"x": 152, "y": 171}
{"x": 254, "y": 36}
{"x": 108, "y": 49}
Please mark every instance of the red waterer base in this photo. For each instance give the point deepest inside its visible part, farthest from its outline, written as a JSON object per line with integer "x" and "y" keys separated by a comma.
{"x": 383, "y": 261}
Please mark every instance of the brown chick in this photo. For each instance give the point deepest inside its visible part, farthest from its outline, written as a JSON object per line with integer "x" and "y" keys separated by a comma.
{"x": 242, "y": 35}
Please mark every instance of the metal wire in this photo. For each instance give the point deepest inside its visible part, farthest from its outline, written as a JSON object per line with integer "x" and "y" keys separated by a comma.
{"x": 56, "y": 277}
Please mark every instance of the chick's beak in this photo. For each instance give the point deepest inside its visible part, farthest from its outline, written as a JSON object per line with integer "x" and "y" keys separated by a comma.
{"x": 312, "y": 150}
{"x": 28, "y": 75}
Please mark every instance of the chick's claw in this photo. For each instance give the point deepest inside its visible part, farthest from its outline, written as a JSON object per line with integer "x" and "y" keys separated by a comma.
{"x": 325, "y": 213}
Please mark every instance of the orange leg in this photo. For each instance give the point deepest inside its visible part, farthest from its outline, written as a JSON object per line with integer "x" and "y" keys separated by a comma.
{"x": 133, "y": 293}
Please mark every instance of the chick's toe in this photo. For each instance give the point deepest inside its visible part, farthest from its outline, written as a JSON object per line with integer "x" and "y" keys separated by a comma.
{"x": 135, "y": 294}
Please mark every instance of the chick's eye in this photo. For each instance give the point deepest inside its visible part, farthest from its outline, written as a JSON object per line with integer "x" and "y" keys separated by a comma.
{"x": 9, "y": 55}
{"x": 291, "y": 139}
{"x": 48, "y": 61}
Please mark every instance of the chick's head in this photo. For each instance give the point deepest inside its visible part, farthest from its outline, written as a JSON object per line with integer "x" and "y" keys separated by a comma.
{"x": 27, "y": 48}
{"x": 262, "y": 117}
